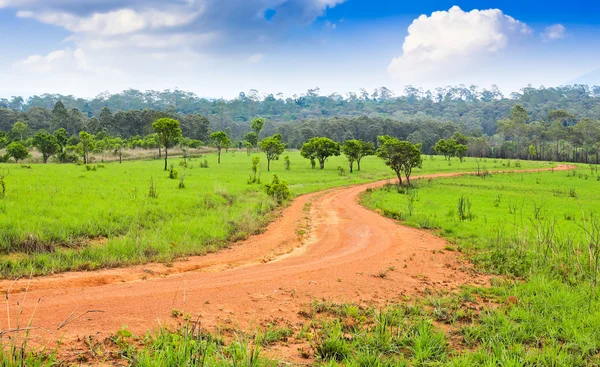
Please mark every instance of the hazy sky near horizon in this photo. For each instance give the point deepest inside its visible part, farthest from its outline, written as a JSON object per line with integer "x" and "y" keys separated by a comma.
{"x": 218, "y": 48}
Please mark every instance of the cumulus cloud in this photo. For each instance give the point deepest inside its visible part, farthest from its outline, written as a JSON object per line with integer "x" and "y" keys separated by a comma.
{"x": 448, "y": 41}
{"x": 554, "y": 32}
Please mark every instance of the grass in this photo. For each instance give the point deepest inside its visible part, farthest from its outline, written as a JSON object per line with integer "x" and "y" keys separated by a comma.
{"x": 57, "y": 218}
{"x": 541, "y": 231}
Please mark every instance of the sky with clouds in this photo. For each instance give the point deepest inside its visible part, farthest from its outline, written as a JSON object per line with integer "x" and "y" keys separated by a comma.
{"x": 218, "y": 48}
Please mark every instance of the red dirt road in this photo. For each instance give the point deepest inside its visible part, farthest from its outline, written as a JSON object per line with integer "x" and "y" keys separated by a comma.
{"x": 333, "y": 249}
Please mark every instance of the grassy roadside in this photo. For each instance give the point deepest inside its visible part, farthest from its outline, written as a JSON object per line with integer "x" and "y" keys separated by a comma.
{"x": 542, "y": 232}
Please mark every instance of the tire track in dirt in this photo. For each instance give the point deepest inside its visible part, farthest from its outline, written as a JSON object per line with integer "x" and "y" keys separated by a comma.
{"x": 268, "y": 278}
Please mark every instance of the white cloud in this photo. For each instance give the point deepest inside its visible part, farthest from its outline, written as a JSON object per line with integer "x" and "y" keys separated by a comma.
{"x": 554, "y": 32}
{"x": 256, "y": 58}
{"x": 113, "y": 23}
{"x": 448, "y": 41}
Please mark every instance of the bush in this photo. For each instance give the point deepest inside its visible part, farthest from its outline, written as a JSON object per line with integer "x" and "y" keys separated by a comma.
{"x": 286, "y": 162}
{"x": 204, "y": 164}
{"x": 173, "y": 172}
{"x": 278, "y": 190}
{"x": 341, "y": 171}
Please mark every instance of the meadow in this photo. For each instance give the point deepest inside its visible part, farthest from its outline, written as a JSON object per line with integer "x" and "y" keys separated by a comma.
{"x": 541, "y": 233}
{"x": 56, "y": 218}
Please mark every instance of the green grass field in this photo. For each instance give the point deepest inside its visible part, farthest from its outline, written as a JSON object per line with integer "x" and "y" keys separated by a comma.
{"x": 541, "y": 232}
{"x": 57, "y": 218}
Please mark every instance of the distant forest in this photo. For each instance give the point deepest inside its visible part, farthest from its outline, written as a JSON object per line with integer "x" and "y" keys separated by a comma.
{"x": 553, "y": 123}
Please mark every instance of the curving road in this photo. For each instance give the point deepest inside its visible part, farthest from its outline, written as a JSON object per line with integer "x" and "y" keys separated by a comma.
{"x": 324, "y": 245}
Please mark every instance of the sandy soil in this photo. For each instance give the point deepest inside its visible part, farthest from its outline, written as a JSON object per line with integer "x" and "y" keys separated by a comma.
{"x": 325, "y": 245}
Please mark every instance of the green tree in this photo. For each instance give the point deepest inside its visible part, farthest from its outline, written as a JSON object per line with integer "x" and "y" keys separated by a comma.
{"x": 445, "y": 147}
{"x": 86, "y": 145}
{"x": 251, "y": 138}
{"x": 20, "y": 128}
{"x": 168, "y": 132}
{"x": 272, "y": 147}
{"x": 118, "y": 145}
{"x": 320, "y": 149}
{"x": 60, "y": 117}
{"x": 257, "y": 125}
{"x": 461, "y": 151}
{"x": 220, "y": 141}
{"x": 400, "y": 156}
{"x": 47, "y": 144}
{"x": 17, "y": 151}
{"x": 355, "y": 150}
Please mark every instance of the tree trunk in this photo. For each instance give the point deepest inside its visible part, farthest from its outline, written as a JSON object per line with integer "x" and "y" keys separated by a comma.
{"x": 351, "y": 166}
{"x": 45, "y": 157}
{"x": 358, "y": 165}
{"x": 268, "y": 165}
{"x": 322, "y": 163}
{"x": 219, "y": 155}
{"x": 166, "y": 155}
{"x": 159, "y": 152}
{"x": 120, "y": 157}
{"x": 399, "y": 174}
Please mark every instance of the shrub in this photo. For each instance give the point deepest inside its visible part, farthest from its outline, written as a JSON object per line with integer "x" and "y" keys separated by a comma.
{"x": 278, "y": 190}
{"x": 341, "y": 171}
{"x": 152, "y": 191}
{"x": 286, "y": 162}
{"x": 173, "y": 172}
{"x": 204, "y": 164}
{"x": 464, "y": 209}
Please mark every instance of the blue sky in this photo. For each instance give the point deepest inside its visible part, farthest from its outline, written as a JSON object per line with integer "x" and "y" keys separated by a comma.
{"x": 218, "y": 48}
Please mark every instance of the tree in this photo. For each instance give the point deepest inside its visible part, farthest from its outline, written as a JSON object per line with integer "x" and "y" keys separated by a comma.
{"x": 117, "y": 146}
{"x": 86, "y": 145}
{"x": 461, "y": 151}
{"x": 320, "y": 149}
{"x": 17, "y": 151}
{"x": 257, "y": 125}
{"x": 445, "y": 147}
{"x": 220, "y": 141}
{"x": 251, "y": 138}
{"x": 168, "y": 132}
{"x": 20, "y": 128}
{"x": 400, "y": 156}
{"x": 272, "y": 147}
{"x": 355, "y": 150}
{"x": 47, "y": 144}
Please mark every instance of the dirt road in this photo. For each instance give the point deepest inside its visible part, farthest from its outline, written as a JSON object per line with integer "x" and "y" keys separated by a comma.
{"x": 324, "y": 245}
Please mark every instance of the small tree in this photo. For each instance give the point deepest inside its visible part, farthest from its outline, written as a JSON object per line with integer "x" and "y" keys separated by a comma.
{"x": 20, "y": 128}
{"x": 272, "y": 147}
{"x": 168, "y": 132}
{"x": 367, "y": 148}
{"x": 17, "y": 151}
{"x": 445, "y": 147}
{"x": 461, "y": 151}
{"x": 220, "y": 141}
{"x": 86, "y": 145}
{"x": 257, "y": 125}
{"x": 400, "y": 156}
{"x": 251, "y": 138}
{"x": 320, "y": 149}
{"x": 118, "y": 145}
{"x": 355, "y": 150}
{"x": 47, "y": 144}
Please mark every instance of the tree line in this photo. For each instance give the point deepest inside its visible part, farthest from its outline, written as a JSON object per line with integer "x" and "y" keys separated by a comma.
{"x": 534, "y": 129}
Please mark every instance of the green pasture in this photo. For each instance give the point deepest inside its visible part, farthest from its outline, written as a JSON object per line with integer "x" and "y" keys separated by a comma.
{"x": 71, "y": 217}
{"x": 541, "y": 232}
